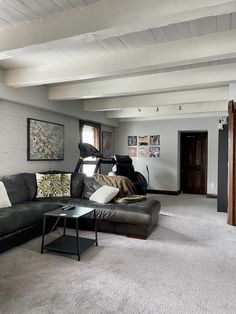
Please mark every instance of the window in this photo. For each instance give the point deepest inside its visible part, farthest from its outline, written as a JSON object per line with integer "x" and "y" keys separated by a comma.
{"x": 90, "y": 133}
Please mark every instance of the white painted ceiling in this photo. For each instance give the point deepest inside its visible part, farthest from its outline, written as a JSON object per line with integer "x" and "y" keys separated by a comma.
{"x": 101, "y": 35}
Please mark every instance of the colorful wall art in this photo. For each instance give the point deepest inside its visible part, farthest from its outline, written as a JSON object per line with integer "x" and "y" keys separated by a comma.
{"x": 154, "y": 151}
{"x": 107, "y": 144}
{"x": 143, "y": 152}
{"x": 154, "y": 140}
{"x": 132, "y": 140}
{"x": 148, "y": 145}
{"x": 143, "y": 140}
{"x": 132, "y": 151}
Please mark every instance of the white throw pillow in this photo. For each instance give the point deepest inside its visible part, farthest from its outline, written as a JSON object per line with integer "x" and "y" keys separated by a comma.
{"x": 4, "y": 199}
{"x": 104, "y": 194}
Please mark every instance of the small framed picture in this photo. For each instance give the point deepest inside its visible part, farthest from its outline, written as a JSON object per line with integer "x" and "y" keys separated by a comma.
{"x": 143, "y": 140}
{"x": 143, "y": 152}
{"x": 132, "y": 151}
{"x": 154, "y": 140}
{"x": 154, "y": 151}
{"x": 132, "y": 140}
{"x": 107, "y": 144}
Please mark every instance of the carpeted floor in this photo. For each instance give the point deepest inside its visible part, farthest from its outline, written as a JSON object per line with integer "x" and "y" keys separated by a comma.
{"x": 188, "y": 265}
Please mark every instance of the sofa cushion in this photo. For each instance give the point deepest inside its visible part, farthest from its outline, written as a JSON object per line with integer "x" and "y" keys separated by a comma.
{"x": 16, "y": 188}
{"x": 4, "y": 199}
{"x": 31, "y": 184}
{"x": 77, "y": 184}
{"x": 23, "y": 215}
{"x": 90, "y": 186}
{"x": 140, "y": 213}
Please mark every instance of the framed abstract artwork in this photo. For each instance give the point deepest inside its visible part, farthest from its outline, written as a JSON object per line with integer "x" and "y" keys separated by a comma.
{"x": 45, "y": 140}
{"x": 107, "y": 144}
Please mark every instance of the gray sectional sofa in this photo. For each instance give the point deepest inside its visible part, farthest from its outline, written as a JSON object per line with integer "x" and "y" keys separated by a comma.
{"x": 23, "y": 220}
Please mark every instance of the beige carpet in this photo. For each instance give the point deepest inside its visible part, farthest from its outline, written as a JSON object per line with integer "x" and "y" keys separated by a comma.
{"x": 188, "y": 265}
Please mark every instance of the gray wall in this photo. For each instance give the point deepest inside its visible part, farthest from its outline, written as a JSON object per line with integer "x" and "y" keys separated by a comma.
{"x": 18, "y": 104}
{"x": 38, "y": 97}
{"x": 164, "y": 171}
{"x": 13, "y": 140}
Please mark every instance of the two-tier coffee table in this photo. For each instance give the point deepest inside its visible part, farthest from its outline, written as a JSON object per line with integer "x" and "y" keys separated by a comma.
{"x": 70, "y": 244}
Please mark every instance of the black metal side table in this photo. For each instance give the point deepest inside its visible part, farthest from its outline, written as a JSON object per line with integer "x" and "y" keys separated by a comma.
{"x": 67, "y": 243}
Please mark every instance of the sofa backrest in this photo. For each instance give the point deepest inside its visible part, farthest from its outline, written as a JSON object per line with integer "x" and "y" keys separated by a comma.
{"x": 77, "y": 183}
{"x": 22, "y": 187}
{"x": 16, "y": 188}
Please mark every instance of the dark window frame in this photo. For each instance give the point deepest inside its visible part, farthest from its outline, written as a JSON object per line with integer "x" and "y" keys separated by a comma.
{"x": 93, "y": 124}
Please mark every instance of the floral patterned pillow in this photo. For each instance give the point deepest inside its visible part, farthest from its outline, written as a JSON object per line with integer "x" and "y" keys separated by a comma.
{"x": 65, "y": 184}
{"x": 53, "y": 185}
{"x": 43, "y": 185}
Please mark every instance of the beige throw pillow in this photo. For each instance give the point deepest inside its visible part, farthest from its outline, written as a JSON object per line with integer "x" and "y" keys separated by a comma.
{"x": 43, "y": 185}
{"x": 53, "y": 185}
{"x": 56, "y": 187}
{"x": 66, "y": 184}
{"x": 104, "y": 194}
{"x": 4, "y": 199}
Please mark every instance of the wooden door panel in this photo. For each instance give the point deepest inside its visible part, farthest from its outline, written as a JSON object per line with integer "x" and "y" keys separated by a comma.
{"x": 193, "y": 162}
{"x": 192, "y": 182}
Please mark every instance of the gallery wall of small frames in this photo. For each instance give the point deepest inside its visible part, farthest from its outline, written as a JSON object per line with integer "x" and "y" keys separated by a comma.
{"x": 144, "y": 146}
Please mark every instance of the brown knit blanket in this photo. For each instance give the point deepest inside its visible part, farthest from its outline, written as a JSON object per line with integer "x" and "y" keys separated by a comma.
{"x": 125, "y": 186}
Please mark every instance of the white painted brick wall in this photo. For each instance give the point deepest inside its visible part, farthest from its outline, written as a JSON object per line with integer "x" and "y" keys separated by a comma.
{"x": 13, "y": 139}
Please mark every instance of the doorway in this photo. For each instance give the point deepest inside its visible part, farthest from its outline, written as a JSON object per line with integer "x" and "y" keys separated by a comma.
{"x": 193, "y": 162}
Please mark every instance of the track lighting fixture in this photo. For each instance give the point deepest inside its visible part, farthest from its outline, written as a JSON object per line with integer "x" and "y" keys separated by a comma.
{"x": 139, "y": 109}
{"x": 180, "y": 107}
{"x": 157, "y": 109}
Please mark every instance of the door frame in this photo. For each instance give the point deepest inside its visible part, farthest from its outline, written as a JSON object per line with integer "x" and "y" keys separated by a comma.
{"x": 180, "y": 132}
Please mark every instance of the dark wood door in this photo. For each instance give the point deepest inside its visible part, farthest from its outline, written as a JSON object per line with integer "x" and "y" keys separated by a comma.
{"x": 194, "y": 162}
{"x": 222, "y": 199}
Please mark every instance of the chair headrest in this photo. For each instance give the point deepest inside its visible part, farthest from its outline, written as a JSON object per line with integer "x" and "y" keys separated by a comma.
{"x": 123, "y": 159}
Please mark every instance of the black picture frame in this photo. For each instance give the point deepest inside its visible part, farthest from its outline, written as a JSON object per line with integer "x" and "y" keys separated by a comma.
{"x": 45, "y": 140}
{"x": 107, "y": 143}
{"x": 132, "y": 140}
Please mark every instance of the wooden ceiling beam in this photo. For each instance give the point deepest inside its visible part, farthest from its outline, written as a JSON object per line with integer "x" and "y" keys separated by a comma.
{"x": 171, "y": 54}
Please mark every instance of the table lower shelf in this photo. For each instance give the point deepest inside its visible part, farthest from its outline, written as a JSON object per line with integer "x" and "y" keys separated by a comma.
{"x": 67, "y": 244}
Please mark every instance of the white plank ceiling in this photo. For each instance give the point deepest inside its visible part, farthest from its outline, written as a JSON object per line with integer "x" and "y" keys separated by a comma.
{"x": 18, "y": 12}
{"x": 73, "y": 49}
{"x": 13, "y": 12}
